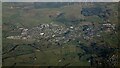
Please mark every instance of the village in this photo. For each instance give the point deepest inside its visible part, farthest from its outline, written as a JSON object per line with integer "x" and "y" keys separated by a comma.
{"x": 85, "y": 30}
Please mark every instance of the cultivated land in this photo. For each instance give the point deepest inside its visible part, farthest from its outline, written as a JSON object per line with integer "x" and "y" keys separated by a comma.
{"x": 60, "y": 34}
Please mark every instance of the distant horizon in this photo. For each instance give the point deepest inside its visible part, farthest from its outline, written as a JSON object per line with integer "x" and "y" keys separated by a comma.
{"x": 60, "y": 0}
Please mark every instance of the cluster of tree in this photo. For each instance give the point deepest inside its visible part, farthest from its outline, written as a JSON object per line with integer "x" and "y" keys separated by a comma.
{"x": 97, "y": 52}
{"x": 101, "y": 12}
